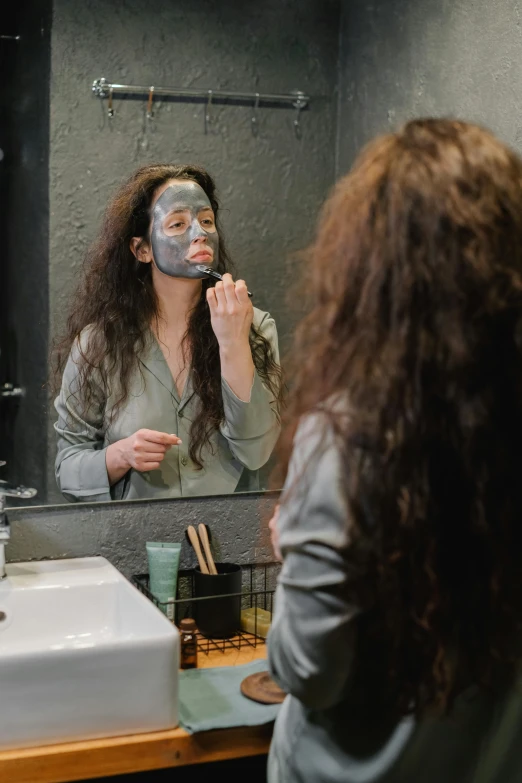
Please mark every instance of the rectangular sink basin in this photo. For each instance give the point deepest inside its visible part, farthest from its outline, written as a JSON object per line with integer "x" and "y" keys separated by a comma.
{"x": 83, "y": 655}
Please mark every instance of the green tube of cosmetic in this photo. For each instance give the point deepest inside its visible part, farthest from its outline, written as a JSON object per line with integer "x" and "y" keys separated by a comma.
{"x": 163, "y": 573}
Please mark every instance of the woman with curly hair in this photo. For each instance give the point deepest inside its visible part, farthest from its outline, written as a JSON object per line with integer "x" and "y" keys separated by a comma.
{"x": 171, "y": 384}
{"x": 398, "y": 624}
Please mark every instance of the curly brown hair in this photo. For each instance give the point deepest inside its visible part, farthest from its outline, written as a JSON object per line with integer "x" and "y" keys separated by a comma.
{"x": 415, "y": 277}
{"x": 116, "y": 297}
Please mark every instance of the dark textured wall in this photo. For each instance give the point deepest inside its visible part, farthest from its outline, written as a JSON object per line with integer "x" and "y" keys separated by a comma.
{"x": 24, "y": 226}
{"x": 404, "y": 58}
{"x": 270, "y": 185}
{"x": 119, "y": 530}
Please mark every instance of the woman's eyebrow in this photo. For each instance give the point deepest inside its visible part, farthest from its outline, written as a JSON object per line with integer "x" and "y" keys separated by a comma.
{"x": 176, "y": 211}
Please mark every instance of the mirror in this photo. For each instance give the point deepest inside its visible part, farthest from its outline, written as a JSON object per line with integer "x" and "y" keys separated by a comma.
{"x": 66, "y": 150}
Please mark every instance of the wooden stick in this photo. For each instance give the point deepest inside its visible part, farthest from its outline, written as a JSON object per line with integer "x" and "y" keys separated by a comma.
{"x": 194, "y": 540}
{"x": 203, "y": 534}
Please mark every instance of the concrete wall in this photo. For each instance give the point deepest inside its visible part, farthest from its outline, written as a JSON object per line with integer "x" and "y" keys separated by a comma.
{"x": 404, "y": 58}
{"x": 119, "y": 530}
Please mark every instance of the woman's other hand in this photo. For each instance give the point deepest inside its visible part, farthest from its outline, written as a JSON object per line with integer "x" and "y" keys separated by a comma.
{"x": 142, "y": 451}
{"x": 274, "y": 534}
{"x": 231, "y": 312}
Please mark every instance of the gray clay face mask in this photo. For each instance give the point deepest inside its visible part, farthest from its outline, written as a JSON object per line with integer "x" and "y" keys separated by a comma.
{"x": 183, "y": 231}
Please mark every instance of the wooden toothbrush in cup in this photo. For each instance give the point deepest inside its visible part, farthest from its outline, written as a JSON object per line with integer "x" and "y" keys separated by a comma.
{"x": 195, "y": 541}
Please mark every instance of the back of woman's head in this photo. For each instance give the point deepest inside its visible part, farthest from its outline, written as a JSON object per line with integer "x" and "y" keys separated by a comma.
{"x": 416, "y": 284}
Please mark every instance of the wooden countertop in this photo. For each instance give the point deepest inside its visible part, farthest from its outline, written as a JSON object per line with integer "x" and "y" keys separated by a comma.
{"x": 139, "y": 752}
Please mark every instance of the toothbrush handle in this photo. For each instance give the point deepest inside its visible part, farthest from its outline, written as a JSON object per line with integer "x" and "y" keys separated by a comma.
{"x": 206, "y": 546}
{"x": 194, "y": 540}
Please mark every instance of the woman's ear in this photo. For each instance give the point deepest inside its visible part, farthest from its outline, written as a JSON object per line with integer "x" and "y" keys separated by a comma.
{"x": 140, "y": 249}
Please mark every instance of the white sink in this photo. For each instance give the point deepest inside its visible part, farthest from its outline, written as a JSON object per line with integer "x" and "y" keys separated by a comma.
{"x": 83, "y": 654}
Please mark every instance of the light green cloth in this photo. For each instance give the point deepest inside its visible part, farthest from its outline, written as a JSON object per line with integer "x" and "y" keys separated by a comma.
{"x": 212, "y": 699}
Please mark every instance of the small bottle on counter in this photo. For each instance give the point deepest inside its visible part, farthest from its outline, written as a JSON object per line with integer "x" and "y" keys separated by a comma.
{"x": 189, "y": 644}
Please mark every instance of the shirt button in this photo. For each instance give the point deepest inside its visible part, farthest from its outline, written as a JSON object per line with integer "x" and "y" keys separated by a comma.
{"x": 184, "y": 461}
{"x": 180, "y": 415}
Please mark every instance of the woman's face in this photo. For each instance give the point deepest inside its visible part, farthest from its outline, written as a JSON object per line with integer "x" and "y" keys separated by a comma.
{"x": 183, "y": 230}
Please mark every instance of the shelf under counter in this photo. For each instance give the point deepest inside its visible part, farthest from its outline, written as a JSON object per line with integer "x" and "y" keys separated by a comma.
{"x": 88, "y": 759}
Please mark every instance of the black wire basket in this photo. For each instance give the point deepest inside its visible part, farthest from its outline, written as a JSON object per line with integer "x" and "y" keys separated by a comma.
{"x": 258, "y": 583}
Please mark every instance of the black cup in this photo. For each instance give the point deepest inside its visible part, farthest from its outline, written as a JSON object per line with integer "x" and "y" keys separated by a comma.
{"x": 218, "y": 617}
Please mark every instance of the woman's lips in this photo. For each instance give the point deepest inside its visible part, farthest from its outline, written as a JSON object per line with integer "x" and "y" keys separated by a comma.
{"x": 203, "y": 255}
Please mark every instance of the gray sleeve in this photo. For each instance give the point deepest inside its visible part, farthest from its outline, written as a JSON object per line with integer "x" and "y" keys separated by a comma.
{"x": 312, "y": 638}
{"x": 80, "y": 469}
{"x": 252, "y": 428}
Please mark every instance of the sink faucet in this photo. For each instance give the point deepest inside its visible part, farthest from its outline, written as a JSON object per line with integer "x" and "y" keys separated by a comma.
{"x": 7, "y": 490}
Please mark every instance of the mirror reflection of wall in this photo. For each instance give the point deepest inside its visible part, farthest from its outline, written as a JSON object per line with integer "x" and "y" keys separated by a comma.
{"x": 270, "y": 182}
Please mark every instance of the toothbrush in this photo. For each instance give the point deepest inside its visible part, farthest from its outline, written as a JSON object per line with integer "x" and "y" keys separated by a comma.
{"x": 210, "y": 272}
{"x": 202, "y": 530}
{"x": 194, "y": 540}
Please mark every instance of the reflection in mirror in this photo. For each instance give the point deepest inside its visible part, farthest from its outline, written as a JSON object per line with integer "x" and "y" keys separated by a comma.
{"x": 171, "y": 385}
{"x": 64, "y": 162}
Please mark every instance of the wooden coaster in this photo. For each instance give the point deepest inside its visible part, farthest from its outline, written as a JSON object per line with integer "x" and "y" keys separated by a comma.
{"x": 261, "y": 687}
